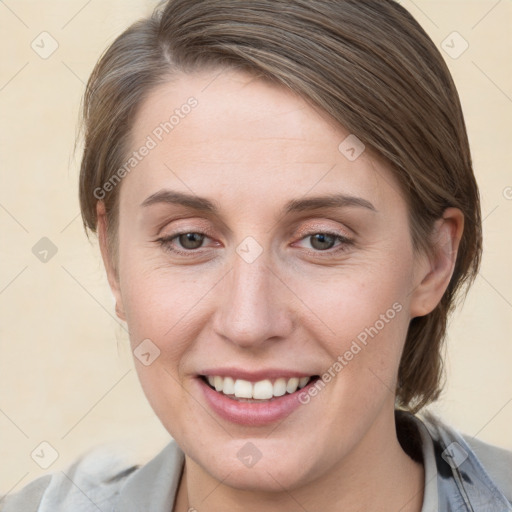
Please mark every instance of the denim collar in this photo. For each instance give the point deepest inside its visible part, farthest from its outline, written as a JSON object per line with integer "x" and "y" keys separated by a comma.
{"x": 463, "y": 485}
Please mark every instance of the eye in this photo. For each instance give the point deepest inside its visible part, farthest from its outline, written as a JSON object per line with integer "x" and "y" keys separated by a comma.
{"x": 190, "y": 241}
{"x": 324, "y": 241}
{"x": 187, "y": 243}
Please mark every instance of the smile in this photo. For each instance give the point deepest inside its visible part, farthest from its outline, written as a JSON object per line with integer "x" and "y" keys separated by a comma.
{"x": 262, "y": 390}
{"x": 253, "y": 402}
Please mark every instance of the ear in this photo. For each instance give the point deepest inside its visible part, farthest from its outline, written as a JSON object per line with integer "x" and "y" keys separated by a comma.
{"x": 433, "y": 272}
{"x": 112, "y": 275}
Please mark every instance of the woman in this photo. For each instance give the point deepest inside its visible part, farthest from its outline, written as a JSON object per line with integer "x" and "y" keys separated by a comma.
{"x": 286, "y": 209}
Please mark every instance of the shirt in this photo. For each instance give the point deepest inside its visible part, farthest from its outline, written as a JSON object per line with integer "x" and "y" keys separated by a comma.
{"x": 462, "y": 474}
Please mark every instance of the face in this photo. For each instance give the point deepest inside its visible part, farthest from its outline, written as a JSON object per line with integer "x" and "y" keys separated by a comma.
{"x": 257, "y": 256}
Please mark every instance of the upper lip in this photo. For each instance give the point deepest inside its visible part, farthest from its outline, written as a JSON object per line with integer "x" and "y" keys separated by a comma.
{"x": 253, "y": 375}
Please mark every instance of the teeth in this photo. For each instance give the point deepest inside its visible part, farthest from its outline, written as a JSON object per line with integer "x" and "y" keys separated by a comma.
{"x": 243, "y": 388}
{"x": 261, "y": 390}
{"x": 229, "y": 386}
{"x": 303, "y": 381}
{"x": 280, "y": 387}
{"x": 218, "y": 382}
{"x": 292, "y": 385}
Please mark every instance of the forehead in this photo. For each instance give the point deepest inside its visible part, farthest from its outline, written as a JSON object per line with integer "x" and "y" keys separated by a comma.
{"x": 234, "y": 136}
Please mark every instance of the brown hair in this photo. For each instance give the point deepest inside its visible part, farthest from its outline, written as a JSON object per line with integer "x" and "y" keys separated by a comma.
{"x": 367, "y": 63}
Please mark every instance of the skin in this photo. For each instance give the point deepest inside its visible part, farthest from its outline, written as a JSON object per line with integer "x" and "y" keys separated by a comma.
{"x": 251, "y": 147}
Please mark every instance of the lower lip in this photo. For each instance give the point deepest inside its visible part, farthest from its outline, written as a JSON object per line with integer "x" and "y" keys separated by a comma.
{"x": 252, "y": 413}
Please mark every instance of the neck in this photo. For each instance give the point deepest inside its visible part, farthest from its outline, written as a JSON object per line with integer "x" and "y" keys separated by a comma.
{"x": 376, "y": 475}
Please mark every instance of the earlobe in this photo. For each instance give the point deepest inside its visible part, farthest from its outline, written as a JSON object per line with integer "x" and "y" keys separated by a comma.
{"x": 108, "y": 263}
{"x": 434, "y": 272}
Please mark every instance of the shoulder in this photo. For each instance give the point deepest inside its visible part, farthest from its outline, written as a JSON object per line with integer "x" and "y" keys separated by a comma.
{"x": 488, "y": 467}
{"x": 28, "y": 498}
{"x": 93, "y": 478}
{"x": 496, "y": 461}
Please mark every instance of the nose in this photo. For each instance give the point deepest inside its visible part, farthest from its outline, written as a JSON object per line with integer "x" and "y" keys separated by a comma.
{"x": 253, "y": 306}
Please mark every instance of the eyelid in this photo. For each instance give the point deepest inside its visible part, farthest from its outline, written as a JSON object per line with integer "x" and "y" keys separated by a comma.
{"x": 200, "y": 227}
{"x": 320, "y": 227}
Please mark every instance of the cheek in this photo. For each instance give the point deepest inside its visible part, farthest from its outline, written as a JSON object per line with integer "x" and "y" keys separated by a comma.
{"x": 360, "y": 321}
{"x": 358, "y": 301}
{"x": 155, "y": 297}
{"x": 169, "y": 307}
{"x": 161, "y": 321}
{"x": 159, "y": 307}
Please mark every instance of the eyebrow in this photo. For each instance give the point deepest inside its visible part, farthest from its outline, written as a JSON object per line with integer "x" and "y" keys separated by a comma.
{"x": 296, "y": 205}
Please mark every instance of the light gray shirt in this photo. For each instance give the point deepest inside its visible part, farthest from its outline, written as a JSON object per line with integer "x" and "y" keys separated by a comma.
{"x": 461, "y": 475}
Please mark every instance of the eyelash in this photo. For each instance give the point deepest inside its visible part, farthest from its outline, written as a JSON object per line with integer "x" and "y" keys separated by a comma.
{"x": 165, "y": 243}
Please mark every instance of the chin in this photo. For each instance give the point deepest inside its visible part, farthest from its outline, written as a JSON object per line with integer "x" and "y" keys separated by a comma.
{"x": 273, "y": 470}
{"x": 263, "y": 477}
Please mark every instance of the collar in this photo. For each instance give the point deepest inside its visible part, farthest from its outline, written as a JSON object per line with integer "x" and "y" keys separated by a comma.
{"x": 154, "y": 485}
{"x": 463, "y": 485}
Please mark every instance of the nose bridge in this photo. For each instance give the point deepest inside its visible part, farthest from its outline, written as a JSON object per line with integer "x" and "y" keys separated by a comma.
{"x": 252, "y": 308}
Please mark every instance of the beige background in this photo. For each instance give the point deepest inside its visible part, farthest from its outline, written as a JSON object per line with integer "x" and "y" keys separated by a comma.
{"x": 67, "y": 377}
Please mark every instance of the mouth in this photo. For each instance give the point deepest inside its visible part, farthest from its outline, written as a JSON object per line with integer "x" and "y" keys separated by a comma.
{"x": 254, "y": 398}
{"x": 266, "y": 390}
